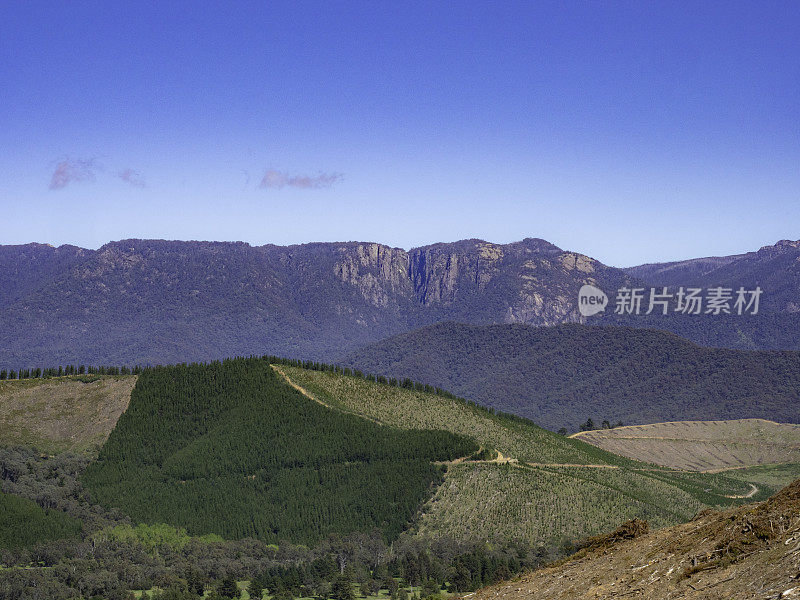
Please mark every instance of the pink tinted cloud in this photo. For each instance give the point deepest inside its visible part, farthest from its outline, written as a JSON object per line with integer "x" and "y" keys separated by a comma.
{"x": 277, "y": 179}
{"x": 69, "y": 170}
{"x": 132, "y": 177}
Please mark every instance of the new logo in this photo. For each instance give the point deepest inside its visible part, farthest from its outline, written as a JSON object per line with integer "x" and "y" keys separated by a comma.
{"x": 591, "y": 300}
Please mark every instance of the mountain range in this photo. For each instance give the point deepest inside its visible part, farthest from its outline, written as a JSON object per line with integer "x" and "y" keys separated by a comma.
{"x": 155, "y": 301}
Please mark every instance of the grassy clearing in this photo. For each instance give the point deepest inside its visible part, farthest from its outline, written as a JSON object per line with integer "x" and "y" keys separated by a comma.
{"x": 703, "y": 445}
{"x": 64, "y": 413}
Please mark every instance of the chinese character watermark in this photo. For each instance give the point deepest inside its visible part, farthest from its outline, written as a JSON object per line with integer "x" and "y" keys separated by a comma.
{"x": 685, "y": 300}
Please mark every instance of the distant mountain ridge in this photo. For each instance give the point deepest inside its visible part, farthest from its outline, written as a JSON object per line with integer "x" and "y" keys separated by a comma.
{"x": 774, "y": 268}
{"x": 156, "y": 301}
{"x": 561, "y": 376}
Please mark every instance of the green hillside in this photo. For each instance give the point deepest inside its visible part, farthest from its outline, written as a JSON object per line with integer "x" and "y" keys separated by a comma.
{"x": 546, "y": 489}
{"x": 245, "y": 448}
{"x": 397, "y": 480}
{"x": 23, "y": 522}
{"x": 412, "y": 409}
{"x": 230, "y": 448}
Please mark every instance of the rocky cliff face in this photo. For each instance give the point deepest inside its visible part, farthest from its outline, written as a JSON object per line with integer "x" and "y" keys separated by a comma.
{"x": 161, "y": 301}
{"x": 531, "y": 281}
{"x": 379, "y": 272}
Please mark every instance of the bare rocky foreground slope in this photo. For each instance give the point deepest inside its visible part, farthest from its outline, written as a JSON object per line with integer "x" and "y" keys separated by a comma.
{"x": 749, "y": 552}
{"x": 702, "y": 445}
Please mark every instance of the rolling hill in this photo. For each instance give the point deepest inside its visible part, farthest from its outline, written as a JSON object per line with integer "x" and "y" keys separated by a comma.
{"x": 561, "y": 376}
{"x": 534, "y": 485}
{"x": 703, "y": 445}
{"x": 251, "y": 434}
{"x": 332, "y": 467}
{"x": 230, "y": 448}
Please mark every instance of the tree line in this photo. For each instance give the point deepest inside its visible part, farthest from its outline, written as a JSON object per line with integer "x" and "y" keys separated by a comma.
{"x": 101, "y": 562}
{"x": 69, "y": 370}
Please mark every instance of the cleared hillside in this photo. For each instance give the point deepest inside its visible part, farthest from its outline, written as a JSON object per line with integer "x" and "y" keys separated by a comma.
{"x": 546, "y": 488}
{"x": 550, "y": 505}
{"x": 749, "y": 552}
{"x": 65, "y": 413}
{"x": 561, "y": 376}
{"x": 410, "y": 409}
{"x": 702, "y": 445}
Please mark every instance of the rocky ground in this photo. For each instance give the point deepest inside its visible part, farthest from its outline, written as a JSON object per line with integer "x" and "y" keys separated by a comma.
{"x": 749, "y": 552}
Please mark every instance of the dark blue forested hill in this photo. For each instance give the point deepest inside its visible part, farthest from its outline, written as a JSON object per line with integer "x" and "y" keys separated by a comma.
{"x": 155, "y": 301}
{"x": 775, "y": 268}
{"x": 561, "y": 376}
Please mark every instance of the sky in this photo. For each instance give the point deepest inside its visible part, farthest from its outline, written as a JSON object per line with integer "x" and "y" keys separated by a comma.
{"x": 629, "y": 131}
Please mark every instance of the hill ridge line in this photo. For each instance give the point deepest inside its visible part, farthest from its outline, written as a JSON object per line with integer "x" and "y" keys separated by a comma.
{"x": 310, "y": 396}
{"x": 582, "y": 433}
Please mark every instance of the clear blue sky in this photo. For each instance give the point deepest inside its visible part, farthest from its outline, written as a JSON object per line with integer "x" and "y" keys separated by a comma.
{"x": 630, "y": 131}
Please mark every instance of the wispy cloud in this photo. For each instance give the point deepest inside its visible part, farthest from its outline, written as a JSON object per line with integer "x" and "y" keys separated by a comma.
{"x": 132, "y": 177}
{"x": 69, "y": 170}
{"x": 277, "y": 179}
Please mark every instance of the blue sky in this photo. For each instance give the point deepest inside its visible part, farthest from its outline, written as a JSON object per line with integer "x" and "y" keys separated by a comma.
{"x": 630, "y": 131}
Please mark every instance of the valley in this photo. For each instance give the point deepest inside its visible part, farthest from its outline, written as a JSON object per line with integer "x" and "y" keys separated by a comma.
{"x": 201, "y": 451}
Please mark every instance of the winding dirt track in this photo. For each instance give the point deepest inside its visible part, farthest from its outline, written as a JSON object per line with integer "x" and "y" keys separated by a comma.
{"x": 309, "y": 395}
{"x": 749, "y": 494}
